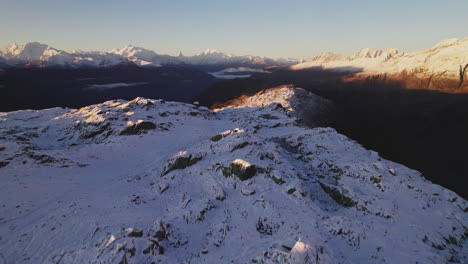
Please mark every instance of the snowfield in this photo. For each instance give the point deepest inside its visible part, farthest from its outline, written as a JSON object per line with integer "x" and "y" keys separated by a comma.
{"x": 149, "y": 181}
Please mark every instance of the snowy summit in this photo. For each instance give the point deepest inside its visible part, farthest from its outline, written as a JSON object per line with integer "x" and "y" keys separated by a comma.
{"x": 150, "y": 181}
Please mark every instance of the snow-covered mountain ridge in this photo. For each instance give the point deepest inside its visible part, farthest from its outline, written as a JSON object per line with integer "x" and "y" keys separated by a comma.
{"x": 153, "y": 181}
{"x": 37, "y": 54}
{"x": 441, "y": 66}
{"x": 445, "y": 58}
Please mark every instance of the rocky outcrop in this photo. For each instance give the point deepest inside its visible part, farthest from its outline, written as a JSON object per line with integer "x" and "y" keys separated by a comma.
{"x": 138, "y": 128}
{"x": 181, "y": 161}
{"x": 241, "y": 169}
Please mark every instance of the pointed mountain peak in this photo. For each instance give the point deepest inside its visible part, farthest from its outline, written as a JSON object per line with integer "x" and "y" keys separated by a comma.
{"x": 375, "y": 53}
{"x": 15, "y": 49}
{"x": 30, "y": 51}
{"x": 131, "y": 47}
{"x": 367, "y": 53}
{"x": 131, "y": 50}
{"x": 330, "y": 56}
{"x": 209, "y": 52}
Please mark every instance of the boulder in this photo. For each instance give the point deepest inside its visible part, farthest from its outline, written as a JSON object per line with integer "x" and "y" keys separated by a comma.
{"x": 181, "y": 161}
{"x": 240, "y": 168}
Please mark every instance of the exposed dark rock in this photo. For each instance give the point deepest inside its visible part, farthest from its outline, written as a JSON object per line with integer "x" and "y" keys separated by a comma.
{"x": 135, "y": 233}
{"x": 220, "y": 136}
{"x": 124, "y": 259}
{"x": 338, "y": 196}
{"x": 138, "y": 128}
{"x": 216, "y": 137}
{"x": 270, "y": 117}
{"x": 201, "y": 215}
{"x": 438, "y": 246}
{"x": 162, "y": 232}
{"x": 265, "y": 228}
{"x": 99, "y": 130}
{"x": 154, "y": 248}
{"x": 242, "y": 169}
{"x": 375, "y": 179}
{"x": 239, "y": 146}
{"x": 42, "y": 158}
{"x": 3, "y": 163}
{"x": 181, "y": 162}
{"x": 277, "y": 180}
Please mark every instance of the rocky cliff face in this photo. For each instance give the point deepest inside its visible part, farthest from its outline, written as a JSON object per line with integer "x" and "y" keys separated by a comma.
{"x": 153, "y": 181}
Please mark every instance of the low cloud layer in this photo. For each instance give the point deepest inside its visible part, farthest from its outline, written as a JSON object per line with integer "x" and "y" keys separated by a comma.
{"x": 240, "y": 72}
{"x": 242, "y": 69}
{"x": 111, "y": 86}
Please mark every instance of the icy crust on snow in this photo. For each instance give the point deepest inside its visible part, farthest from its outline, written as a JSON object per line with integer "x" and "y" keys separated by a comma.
{"x": 244, "y": 184}
{"x": 444, "y": 58}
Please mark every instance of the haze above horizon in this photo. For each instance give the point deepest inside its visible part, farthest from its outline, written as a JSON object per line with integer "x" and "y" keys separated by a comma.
{"x": 265, "y": 28}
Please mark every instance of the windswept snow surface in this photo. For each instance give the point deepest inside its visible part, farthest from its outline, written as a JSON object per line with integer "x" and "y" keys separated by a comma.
{"x": 152, "y": 181}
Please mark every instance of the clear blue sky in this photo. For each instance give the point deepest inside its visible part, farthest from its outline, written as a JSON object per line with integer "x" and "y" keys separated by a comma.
{"x": 286, "y": 28}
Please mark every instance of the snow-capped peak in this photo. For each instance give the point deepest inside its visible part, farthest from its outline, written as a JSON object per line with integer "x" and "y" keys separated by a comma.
{"x": 209, "y": 52}
{"x": 31, "y": 51}
{"x": 15, "y": 49}
{"x": 36, "y": 54}
{"x": 131, "y": 50}
{"x": 373, "y": 53}
{"x": 444, "y": 58}
{"x": 142, "y": 56}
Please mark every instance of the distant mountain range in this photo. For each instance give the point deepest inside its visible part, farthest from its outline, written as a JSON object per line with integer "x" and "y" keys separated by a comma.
{"x": 446, "y": 60}
{"x": 41, "y": 55}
